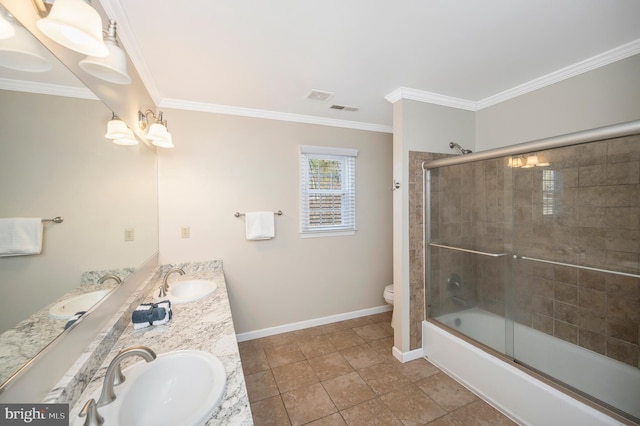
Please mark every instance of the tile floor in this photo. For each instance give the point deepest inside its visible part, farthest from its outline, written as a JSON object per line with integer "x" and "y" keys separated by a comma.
{"x": 344, "y": 374}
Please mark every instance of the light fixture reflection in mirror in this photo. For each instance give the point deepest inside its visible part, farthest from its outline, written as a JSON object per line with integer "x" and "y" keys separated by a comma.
{"x": 119, "y": 133}
{"x": 6, "y": 29}
{"x": 111, "y": 68}
{"x": 21, "y": 52}
{"x": 75, "y": 25}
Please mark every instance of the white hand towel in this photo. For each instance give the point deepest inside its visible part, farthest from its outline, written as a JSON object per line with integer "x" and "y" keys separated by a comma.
{"x": 259, "y": 225}
{"x": 20, "y": 236}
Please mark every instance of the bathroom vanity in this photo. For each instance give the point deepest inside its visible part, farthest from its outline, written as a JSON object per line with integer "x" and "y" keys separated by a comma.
{"x": 204, "y": 325}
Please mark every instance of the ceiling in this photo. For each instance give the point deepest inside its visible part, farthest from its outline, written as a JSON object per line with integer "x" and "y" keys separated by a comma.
{"x": 262, "y": 58}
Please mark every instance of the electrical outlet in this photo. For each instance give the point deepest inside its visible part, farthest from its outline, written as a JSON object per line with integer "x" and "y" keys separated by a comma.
{"x": 185, "y": 232}
{"x": 129, "y": 234}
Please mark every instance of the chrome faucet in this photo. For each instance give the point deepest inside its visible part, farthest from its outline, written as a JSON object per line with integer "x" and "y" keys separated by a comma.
{"x": 165, "y": 285}
{"x": 90, "y": 411}
{"x": 110, "y": 276}
{"x": 114, "y": 375}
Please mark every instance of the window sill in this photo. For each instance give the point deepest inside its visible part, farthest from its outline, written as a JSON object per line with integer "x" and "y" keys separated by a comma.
{"x": 327, "y": 234}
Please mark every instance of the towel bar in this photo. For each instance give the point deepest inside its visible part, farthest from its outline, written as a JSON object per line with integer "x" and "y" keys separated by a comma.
{"x": 237, "y": 214}
{"x": 56, "y": 219}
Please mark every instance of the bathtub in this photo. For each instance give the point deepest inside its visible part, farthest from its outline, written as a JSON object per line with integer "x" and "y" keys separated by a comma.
{"x": 521, "y": 396}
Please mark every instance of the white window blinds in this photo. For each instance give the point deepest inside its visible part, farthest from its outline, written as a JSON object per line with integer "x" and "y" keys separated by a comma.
{"x": 328, "y": 190}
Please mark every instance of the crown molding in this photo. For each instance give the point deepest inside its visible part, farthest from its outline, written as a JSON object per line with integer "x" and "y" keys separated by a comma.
{"x": 597, "y": 61}
{"x": 431, "y": 98}
{"x": 272, "y": 115}
{"x": 46, "y": 89}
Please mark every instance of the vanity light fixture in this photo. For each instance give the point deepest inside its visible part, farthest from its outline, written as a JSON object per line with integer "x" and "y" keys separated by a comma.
{"x": 119, "y": 133}
{"x": 111, "y": 68}
{"x": 157, "y": 133}
{"x": 22, "y": 52}
{"x": 75, "y": 24}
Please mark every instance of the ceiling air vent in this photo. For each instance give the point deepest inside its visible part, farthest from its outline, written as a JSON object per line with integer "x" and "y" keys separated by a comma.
{"x": 344, "y": 107}
{"x": 319, "y": 95}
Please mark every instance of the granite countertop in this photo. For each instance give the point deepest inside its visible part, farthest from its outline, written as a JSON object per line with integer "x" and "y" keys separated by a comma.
{"x": 204, "y": 325}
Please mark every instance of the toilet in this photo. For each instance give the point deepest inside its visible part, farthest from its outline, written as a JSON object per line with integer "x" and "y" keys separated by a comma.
{"x": 388, "y": 297}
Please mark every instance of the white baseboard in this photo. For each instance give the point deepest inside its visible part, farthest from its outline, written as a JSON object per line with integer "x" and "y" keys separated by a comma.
{"x": 407, "y": 356}
{"x": 270, "y": 331}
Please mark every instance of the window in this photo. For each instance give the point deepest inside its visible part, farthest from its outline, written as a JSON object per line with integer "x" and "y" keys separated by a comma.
{"x": 328, "y": 191}
{"x": 550, "y": 187}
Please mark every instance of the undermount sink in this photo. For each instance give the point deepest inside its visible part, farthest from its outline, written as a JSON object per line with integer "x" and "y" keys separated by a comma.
{"x": 177, "y": 388}
{"x": 66, "y": 308}
{"x": 190, "y": 290}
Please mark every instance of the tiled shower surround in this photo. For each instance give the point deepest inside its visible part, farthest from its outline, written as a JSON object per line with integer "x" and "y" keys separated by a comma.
{"x": 581, "y": 209}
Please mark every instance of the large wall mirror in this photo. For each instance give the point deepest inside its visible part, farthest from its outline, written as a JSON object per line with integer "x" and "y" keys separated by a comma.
{"x": 55, "y": 161}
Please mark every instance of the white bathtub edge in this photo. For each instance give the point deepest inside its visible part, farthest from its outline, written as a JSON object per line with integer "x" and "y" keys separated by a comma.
{"x": 495, "y": 381}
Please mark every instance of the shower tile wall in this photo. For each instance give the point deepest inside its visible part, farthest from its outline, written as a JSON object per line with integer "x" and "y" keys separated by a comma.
{"x": 416, "y": 261}
{"x": 582, "y": 209}
{"x": 468, "y": 211}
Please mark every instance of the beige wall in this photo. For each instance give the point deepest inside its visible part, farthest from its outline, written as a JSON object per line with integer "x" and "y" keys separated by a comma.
{"x": 422, "y": 127}
{"x": 604, "y": 96}
{"x": 225, "y": 164}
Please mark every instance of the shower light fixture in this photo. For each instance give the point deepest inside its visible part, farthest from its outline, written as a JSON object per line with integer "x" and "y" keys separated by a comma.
{"x": 111, "y": 68}
{"x": 157, "y": 133}
{"x": 515, "y": 162}
{"x": 21, "y": 51}
{"x": 119, "y": 133}
{"x": 525, "y": 163}
{"x": 73, "y": 24}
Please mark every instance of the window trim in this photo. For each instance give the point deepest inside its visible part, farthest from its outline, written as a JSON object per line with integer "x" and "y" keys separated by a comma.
{"x": 348, "y": 155}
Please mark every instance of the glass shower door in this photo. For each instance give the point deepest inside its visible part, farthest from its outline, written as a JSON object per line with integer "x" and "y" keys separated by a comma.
{"x": 469, "y": 221}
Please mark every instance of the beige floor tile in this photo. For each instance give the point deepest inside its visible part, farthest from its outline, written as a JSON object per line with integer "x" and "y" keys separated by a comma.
{"x": 412, "y": 406}
{"x": 386, "y": 326}
{"x": 348, "y": 390}
{"x": 314, "y": 346}
{"x": 480, "y": 413}
{"x": 305, "y": 376}
{"x": 307, "y": 404}
{"x": 418, "y": 369}
{"x": 292, "y": 376}
{"x": 330, "y": 365}
{"x": 371, "y": 332}
{"x": 261, "y": 386}
{"x": 370, "y": 413}
{"x": 253, "y": 360}
{"x": 361, "y": 356}
{"x": 270, "y": 412}
{"x": 383, "y": 317}
{"x": 384, "y": 378}
{"x": 345, "y": 339}
{"x": 383, "y": 346}
{"x": 357, "y": 322}
{"x": 329, "y": 328}
{"x": 447, "y": 420}
{"x": 280, "y": 355}
{"x": 333, "y": 420}
{"x": 446, "y": 392}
